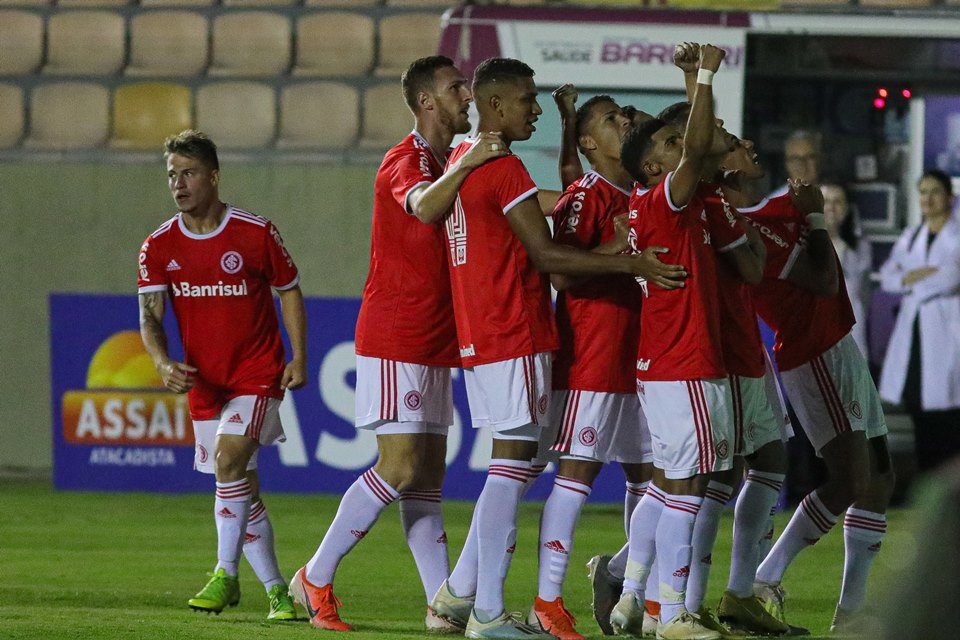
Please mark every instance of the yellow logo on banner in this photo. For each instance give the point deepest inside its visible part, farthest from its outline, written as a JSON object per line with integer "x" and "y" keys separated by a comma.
{"x": 125, "y": 402}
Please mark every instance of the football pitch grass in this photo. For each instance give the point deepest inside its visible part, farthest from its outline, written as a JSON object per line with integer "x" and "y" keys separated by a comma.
{"x": 97, "y": 565}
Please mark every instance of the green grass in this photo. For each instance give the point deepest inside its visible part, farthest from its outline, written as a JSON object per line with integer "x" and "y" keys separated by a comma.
{"x": 92, "y": 565}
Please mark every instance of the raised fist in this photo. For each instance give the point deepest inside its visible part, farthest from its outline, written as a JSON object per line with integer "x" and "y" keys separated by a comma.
{"x": 711, "y": 57}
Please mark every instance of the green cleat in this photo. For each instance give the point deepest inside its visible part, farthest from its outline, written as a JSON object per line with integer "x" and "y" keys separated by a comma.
{"x": 220, "y": 592}
{"x": 281, "y": 604}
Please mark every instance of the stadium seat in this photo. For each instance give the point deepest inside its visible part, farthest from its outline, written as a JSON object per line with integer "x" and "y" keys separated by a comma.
{"x": 85, "y": 43}
{"x": 165, "y": 43}
{"x": 250, "y": 43}
{"x": 422, "y": 3}
{"x": 11, "y": 115}
{"x": 323, "y": 39}
{"x": 260, "y": 3}
{"x": 896, "y": 4}
{"x": 809, "y": 3}
{"x": 177, "y": 3}
{"x": 405, "y": 37}
{"x": 21, "y": 42}
{"x": 342, "y": 3}
{"x": 145, "y": 114}
{"x": 386, "y": 118}
{"x": 318, "y": 115}
{"x": 68, "y": 115}
{"x": 25, "y": 3}
{"x": 237, "y": 114}
{"x": 93, "y": 3}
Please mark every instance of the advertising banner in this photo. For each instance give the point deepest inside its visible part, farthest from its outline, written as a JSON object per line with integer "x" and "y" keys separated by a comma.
{"x": 115, "y": 428}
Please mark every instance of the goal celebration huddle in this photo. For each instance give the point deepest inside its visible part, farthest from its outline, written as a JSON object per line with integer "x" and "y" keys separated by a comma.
{"x": 663, "y": 253}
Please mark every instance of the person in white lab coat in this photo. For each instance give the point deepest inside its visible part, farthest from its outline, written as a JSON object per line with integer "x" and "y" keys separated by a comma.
{"x": 854, "y": 252}
{"x": 922, "y": 366}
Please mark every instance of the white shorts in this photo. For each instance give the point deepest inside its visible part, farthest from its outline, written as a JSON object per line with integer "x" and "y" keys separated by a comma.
{"x": 510, "y": 397}
{"x": 594, "y": 425}
{"x": 691, "y": 425}
{"x": 834, "y": 393}
{"x": 755, "y": 420}
{"x": 257, "y": 417}
{"x": 401, "y": 397}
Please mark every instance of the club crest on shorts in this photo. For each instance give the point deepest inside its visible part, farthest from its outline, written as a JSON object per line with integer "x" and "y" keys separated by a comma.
{"x": 588, "y": 435}
{"x": 231, "y": 262}
{"x": 201, "y": 453}
{"x": 542, "y": 403}
{"x": 413, "y": 400}
{"x": 856, "y": 410}
{"x": 723, "y": 448}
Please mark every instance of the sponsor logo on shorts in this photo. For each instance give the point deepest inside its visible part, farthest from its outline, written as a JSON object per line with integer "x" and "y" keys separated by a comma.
{"x": 542, "y": 403}
{"x": 413, "y": 400}
{"x": 723, "y": 448}
{"x": 682, "y": 572}
{"x": 588, "y": 436}
{"x": 235, "y": 419}
{"x": 512, "y": 548}
{"x": 358, "y": 533}
{"x": 231, "y": 262}
{"x": 202, "y": 452}
{"x": 856, "y": 410}
{"x": 443, "y": 538}
{"x": 226, "y": 513}
{"x": 556, "y": 546}
{"x": 250, "y": 537}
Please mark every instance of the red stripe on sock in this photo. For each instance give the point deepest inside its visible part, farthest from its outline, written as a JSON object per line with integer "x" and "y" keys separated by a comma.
{"x": 815, "y": 516}
{"x": 376, "y": 486}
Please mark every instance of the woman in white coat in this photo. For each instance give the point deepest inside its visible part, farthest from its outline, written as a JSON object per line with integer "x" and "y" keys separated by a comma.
{"x": 856, "y": 257}
{"x": 921, "y": 370}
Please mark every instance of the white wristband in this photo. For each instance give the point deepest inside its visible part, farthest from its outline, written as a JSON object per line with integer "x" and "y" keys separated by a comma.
{"x": 816, "y": 221}
{"x": 705, "y": 76}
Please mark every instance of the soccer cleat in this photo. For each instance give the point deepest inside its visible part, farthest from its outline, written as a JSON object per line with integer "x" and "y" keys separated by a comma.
{"x": 771, "y": 596}
{"x": 709, "y": 620}
{"x": 281, "y": 604}
{"x": 453, "y": 609}
{"x": 503, "y": 626}
{"x": 606, "y": 591}
{"x": 435, "y": 624}
{"x": 553, "y": 618}
{"x": 686, "y": 626}
{"x": 626, "y": 618}
{"x": 854, "y": 624}
{"x": 220, "y": 592}
{"x": 650, "y": 624}
{"x": 748, "y": 614}
{"x": 320, "y": 603}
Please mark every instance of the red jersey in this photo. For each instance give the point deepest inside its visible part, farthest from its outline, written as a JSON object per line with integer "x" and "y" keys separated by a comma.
{"x": 501, "y": 302}
{"x": 219, "y": 286}
{"x": 805, "y": 325}
{"x": 680, "y": 339}
{"x": 406, "y": 311}
{"x": 739, "y": 332}
{"x": 598, "y": 320}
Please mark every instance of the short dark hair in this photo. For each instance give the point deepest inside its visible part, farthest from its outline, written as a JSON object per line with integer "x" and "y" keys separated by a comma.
{"x": 193, "y": 144}
{"x": 940, "y": 177}
{"x": 677, "y": 114}
{"x": 419, "y": 77}
{"x": 500, "y": 70}
{"x": 585, "y": 111}
{"x": 636, "y": 144}
{"x": 849, "y": 230}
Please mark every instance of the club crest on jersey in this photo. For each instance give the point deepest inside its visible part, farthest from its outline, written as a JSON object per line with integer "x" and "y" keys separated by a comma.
{"x": 588, "y": 436}
{"x": 231, "y": 262}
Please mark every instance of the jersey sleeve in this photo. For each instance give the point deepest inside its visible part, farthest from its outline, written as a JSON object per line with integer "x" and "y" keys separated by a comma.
{"x": 411, "y": 170}
{"x": 511, "y": 183}
{"x": 280, "y": 269}
{"x": 576, "y": 219}
{"x": 151, "y": 273}
{"x": 726, "y": 233}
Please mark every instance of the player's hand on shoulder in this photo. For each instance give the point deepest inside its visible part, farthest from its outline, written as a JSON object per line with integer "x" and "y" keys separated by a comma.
{"x": 806, "y": 197}
{"x": 489, "y": 145}
{"x": 294, "y": 374}
{"x": 176, "y": 376}
{"x": 648, "y": 266}
{"x": 686, "y": 56}
{"x": 621, "y": 231}
{"x": 711, "y": 57}
{"x": 566, "y": 98}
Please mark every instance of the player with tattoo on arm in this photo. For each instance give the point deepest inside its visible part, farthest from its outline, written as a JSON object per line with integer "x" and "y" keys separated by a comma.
{"x": 216, "y": 264}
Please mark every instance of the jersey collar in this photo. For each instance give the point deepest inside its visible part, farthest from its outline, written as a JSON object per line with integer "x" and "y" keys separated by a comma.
{"x": 204, "y": 236}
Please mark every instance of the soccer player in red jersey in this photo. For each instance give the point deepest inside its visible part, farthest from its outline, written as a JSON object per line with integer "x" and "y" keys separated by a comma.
{"x": 498, "y": 241}
{"x": 217, "y": 264}
{"x": 681, "y": 373}
{"x": 406, "y": 343}
{"x": 803, "y": 299}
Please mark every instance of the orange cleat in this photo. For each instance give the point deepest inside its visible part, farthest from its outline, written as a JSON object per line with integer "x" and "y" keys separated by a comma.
{"x": 554, "y": 618}
{"x": 320, "y": 603}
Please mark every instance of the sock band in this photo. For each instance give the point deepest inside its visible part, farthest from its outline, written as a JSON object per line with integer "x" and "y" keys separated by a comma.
{"x": 257, "y": 512}
{"x": 426, "y": 495}
{"x": 656, "y": 493}
{"x": 236, "y": 490}
{"x": 510, "y": 469}
{"x": 637, "y": 488}
{"x": 378, "y": 487}
{"x": 570, "y": 484}
{"x": 859, "y": 519}
{"x": 687, "y": 504}
{"x": 772, "y": 480}
{"x": 817, "y": 513}
{"x": 719, "y": 492}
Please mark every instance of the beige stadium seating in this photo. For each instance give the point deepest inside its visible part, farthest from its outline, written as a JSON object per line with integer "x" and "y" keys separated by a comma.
{"x": 896, "y": 4}
{"x": 25, "y": 3}
{"x": 334, "y": 43}
{"x": 405, "y": 37}
{"x": 177, "y": 3}
{"x": 318, "y": 115}
{"x": 85, "y": 43}
{"x": 260, "y": 3}
{"x": 11, "y": 115}
{"x": 237, "y": 114}
{"x": 144, "y": 114}
{"x": 168, "y": 43}
{"x": 386, "y": 118}
{"x": 250, "y": 43}
{"x": 93, "y": 3}
{"x": 811, "y": 3}
{"x": 21, "y": 42}
{"x": 423, "y": 3}
{"x": 68, "y": 115}
{"x": 342, "y": 3}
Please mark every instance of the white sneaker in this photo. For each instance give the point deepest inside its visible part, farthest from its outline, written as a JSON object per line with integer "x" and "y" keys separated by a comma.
{"x": 686, "y": 627}
{"x": 451, "y": 608}
{"x": 606, "y": 591}
{"x": 503, "y": 626}
{"x": 435, "y": 624}
{"x": 627, "y": 617}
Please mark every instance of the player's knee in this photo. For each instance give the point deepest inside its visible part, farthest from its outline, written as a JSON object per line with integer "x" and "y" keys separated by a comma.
{"x": 884, "y": 482}
{"x": 228, "y": 466}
